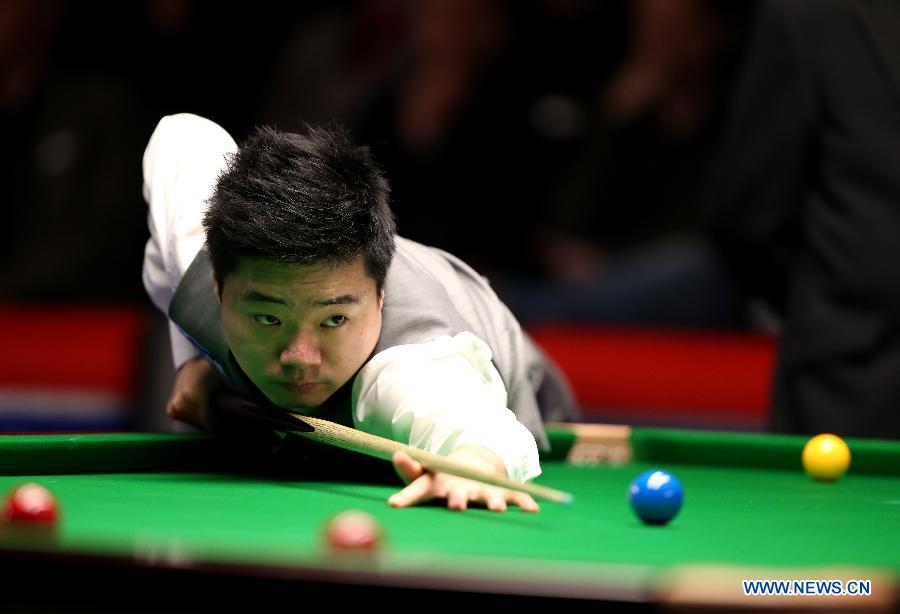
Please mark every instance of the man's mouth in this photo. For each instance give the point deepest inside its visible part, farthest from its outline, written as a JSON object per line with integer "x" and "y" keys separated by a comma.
{"x": 301, "y": 386}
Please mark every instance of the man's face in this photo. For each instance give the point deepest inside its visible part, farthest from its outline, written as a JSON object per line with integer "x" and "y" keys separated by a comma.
{"x": 300, "y": 332}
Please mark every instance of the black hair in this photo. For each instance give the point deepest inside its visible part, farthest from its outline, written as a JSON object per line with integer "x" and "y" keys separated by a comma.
{"x": 312, "y": 198}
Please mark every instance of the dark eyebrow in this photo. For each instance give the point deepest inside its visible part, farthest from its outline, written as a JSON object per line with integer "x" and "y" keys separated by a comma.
{"x": 259, "y": 297}
{"x": 345, "y": 299}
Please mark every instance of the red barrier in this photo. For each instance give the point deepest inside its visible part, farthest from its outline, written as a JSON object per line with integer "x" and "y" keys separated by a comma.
{"x": 72, "y": 348}
{"x": 703, "y": 373}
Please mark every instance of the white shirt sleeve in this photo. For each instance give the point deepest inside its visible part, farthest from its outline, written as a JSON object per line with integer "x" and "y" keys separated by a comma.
{"x": 182, "y": 162}
{"x": 442, "y": 394}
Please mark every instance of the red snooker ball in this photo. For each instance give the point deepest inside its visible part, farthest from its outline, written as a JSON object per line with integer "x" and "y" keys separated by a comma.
{"x": 31, "y": 503}
{"x": 353, "y": 530}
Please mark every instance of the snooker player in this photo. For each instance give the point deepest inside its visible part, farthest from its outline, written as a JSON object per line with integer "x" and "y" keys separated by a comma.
{"x": 279, "y": 268}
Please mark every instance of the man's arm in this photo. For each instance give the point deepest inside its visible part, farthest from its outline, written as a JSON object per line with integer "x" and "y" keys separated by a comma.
{"x": 182, "y": 161}
{"x": 190, "y": 400}
{"x": 446, "y": 397}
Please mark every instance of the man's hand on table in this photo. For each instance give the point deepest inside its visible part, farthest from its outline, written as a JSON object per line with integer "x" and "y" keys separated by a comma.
{"x": 423, "y": 486}
{"x": 189, "y": 402}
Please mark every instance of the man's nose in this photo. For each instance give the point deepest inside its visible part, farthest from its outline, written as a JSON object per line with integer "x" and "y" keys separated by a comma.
{"x": 302, "y": 351}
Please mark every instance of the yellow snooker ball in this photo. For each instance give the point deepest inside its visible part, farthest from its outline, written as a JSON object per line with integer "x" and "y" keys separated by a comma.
{"x": 826, "y": 457}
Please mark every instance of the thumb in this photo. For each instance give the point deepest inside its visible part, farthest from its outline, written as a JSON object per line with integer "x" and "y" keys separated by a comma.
{"x": 407, "y": 468}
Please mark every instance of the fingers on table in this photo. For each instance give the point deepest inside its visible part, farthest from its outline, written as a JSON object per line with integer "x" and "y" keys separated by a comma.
{"x": 406, "y": 467}
{"x": 422, "y": 486}
{"x": 461, "y": 494}
{"x": 499, "y": 499}
{"x": 495, "y": 500}
{"x": 418, "y": 491}
{"x": 525, "y": 501}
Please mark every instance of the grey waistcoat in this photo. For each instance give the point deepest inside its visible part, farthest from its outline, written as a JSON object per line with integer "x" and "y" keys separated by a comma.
{"x": 428, "y": 293}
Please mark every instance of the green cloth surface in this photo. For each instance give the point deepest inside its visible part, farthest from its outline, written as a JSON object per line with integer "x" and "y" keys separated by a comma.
{"x": 753, "y": 516}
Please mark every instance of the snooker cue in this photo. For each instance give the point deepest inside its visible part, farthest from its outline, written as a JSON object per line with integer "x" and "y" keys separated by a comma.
{"x": 335, "y": 434}
{"x": 354, "y": 440}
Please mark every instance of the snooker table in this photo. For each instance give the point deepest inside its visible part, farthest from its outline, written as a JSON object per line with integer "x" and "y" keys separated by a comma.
{"x": 216, "y": 522}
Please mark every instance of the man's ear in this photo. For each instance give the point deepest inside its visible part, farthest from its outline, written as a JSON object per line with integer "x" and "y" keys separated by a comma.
{"x": 217, "y": 291}
{"x": 381, "y": 299}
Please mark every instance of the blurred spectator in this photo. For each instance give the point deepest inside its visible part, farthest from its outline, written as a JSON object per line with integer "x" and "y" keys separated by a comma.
{"x": 623, "y": 240}
{"x": 72, "y": 217}
{"x": 806, "y": 205}
{"x": 443, "y": 129}
{"x": 81, "y": 87}
{"x": 566, "y": 51}
{"x": 212, "y": 58}
{"x": 334, "y": 62}
{"x": 466, "y": 103}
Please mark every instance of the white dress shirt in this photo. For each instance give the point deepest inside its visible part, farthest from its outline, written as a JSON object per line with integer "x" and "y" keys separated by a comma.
{"x": 435, "y": 395}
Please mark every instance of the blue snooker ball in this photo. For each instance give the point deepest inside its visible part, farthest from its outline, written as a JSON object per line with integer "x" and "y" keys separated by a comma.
{"x": 655, "y": 496}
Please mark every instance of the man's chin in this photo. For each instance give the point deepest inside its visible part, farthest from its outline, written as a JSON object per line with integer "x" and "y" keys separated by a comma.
{"x": 306, "y": 404}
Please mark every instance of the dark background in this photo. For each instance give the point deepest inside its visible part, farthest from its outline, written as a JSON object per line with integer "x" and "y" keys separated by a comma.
{"x": 541, "y": 141}
{"x": 560, "y": 147}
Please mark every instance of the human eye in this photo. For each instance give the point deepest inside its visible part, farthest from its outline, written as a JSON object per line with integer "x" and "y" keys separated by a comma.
{"x": 266, "y": 320}
{"x": 334, "y": 321}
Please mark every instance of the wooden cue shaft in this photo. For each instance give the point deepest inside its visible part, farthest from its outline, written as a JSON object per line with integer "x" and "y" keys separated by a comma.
{"x": 380, "y": 447}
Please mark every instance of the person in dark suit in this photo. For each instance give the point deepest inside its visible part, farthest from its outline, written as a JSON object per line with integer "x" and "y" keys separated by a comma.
{"x": 805, "y": 204}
